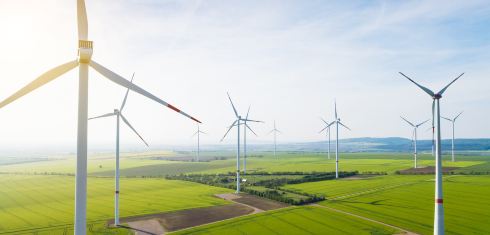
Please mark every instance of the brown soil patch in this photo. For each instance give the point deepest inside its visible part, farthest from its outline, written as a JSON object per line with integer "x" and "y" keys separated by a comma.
{"x": 259, "y": 202}
{"x": 358, "y": 177}
{"x": 150, "y": 227}
{"x": 177, "y": 220}
{"x": 426, "y": 170}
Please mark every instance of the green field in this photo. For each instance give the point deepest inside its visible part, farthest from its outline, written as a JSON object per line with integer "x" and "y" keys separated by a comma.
{"x": 295, "y": 220}
{"x": 337, "y": 188}
{"x": 47, "y": 202}
{"x": 295, "y": 196}
{"x": 411, "y": 206}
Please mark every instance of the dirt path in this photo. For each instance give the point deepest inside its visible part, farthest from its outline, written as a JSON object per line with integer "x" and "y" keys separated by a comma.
{"x": 230, "y": 196}
{"x": 391, "y": 226}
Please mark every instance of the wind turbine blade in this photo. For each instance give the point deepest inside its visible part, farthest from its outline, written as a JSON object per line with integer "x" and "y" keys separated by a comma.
{"x": 433, "y": 107}
{"x": 444, "y": 89}
{"x": 413, "y": 133}
{"x": 228, "y": 130}
{"x": 251, "y": 130}
{"x": 82, "y": 20}
{"x": 345, "y": 126}
{"x": 40, "y": 81}
{"x": 429, "y": 129}
{"x": 105, "y": 115}
{"x": 250, "y": 120}
{"x": 248, "y": 112}
{"x": 236, "y": 114}
{"x": 421, "y": 87}
{"x": 323, "y": 129}
{"x": 125, "y": 83}
{"x": 194, "y": 134}
{"x": 422, "y": 123}
{"x": 204, "y": 132}
{"x": 335, "y": 109}
{"x": 280, "y": 132}
{"x": 458, "y": 115}
{"x": 270, "y": 132}
{"x": 125, "y": 97}
{"x": 447, "y": 119}
{"x": 324, "y": 121}
{"x": 127, "y": 123}
{"x": 407, "y": 121}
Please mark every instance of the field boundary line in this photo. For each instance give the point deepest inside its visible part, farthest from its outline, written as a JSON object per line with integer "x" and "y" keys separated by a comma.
{"x": 375, "y": 221}
{"x": 372, "y": 190}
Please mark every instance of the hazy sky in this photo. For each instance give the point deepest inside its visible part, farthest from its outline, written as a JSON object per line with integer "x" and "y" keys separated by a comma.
{"x": 287, "y": 59}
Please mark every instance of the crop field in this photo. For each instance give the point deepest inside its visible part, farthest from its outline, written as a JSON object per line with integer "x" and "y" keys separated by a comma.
{"x": 485, "y": 167}
{"x": 47, "y": 202}
{"x": 294, "y": 220}
{"x": 337, "y": 188}
{"x": 411, "y": 206}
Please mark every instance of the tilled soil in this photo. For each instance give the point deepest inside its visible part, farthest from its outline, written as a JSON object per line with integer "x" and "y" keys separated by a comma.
{"x": 426, "y": 170}
{"x": 178, "y": 220}
{"x": 259, "y": 202}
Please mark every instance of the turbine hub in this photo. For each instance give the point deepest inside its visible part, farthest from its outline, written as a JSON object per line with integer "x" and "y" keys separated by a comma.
{"x": 437, "y": 96}
{"x": 116, "y": 111}
{"x": 85, "y": 51}
{"x": 338, "y": 119}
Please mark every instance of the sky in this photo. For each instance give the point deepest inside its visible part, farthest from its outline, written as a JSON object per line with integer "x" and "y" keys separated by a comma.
{"x": 287, "y": 60}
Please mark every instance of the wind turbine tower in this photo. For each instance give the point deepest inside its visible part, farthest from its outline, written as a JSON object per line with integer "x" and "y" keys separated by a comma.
{"x": 337, "y": 122}
{"x": 274, "y": 130}
{"x": 453, "y": 121}
{"x": 84, "y": 60}
{"x": 198, "y": 131}
{"x": 237, "y": 122}
{"x": 415, "y": 134}
{"x": 436, "y": 117}
{"x": 118, "y": 113}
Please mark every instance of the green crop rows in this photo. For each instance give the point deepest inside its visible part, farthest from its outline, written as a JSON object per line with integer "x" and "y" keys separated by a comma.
{"x": 411, "y": 206}
{"x": 37, "y": 202}
{"x": 295, "y": 220}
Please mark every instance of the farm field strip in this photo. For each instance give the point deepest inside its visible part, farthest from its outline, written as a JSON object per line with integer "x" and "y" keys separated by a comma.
{"x": 336, "y": 188}
{"x": 293, "y": 220}
{"x": 411, "y": 206}
{"x": 48, "y": 201}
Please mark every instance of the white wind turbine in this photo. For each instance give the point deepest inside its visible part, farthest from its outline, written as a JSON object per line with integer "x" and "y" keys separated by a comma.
{"x": 337, "y": 121}
{"x": 453, "y": 121}
{"x": 439, "y": 209}
{"x": 245, "y": 140}
{"x": 415, "y": 134}
{"x": 118, "y": 113}
{"x": 328, "y": 133}
{"x": 84, "y": 60}
{"x": 198, "y": 131}
{"x": 274, "y": 130}
{"x": 237, "y": 122}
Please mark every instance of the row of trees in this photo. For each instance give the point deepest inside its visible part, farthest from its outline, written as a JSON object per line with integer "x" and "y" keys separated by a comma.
{"x": 277, "y": 196}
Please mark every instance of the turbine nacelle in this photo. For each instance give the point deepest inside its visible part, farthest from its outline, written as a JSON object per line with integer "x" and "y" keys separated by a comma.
{"x": 85, "y": 51}
{"x": 116, "y": 111}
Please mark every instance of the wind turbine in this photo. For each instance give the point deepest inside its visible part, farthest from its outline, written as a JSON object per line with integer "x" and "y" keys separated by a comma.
{"x": 454, "y": 120}
{"x": 415, "y": 134}
{"x": 118, "y": 113}
{"x": 337, "y": 121}
{"x": 432, "y": 138}
{"x": 328, "y": 133}
{"x": 274, "y": 130}
{"x": 237, "y": 122}
{"x": 198, "y": 131}
{"x": 84, "y": 60}
{"x": 439, "y": 209}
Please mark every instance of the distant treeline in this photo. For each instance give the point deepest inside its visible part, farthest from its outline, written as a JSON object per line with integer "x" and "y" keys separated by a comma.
{"x": 278, "y": 196}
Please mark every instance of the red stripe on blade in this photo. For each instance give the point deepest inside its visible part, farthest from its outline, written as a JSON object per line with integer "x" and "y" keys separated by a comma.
{"x": 195, "y": 120}
{"x": 438, "y": 200}
{"x": 117, "y": 192}
{"x": 238, "y": 171}
{"x": 174, "y": 108}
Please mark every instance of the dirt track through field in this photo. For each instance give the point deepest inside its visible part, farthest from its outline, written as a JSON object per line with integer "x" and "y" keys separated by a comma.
{"x": 391, "y": 226}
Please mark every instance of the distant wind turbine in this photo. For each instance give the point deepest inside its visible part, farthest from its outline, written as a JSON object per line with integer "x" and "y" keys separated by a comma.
{"x": 237, "y": 122}
{"x": 274, "y": 130}
{"x": 414, "y": 133}
{"x": 453, "y": 121}
{"x": 439, "y": 209}
{"x": 337, "y": 121}
{"x": 198, "y": 131}
{"x": 328, "y": 134}
{"x": 245, "y": 140}
{"x": 84, "y": 60}
{"x": 118, "y": 113}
